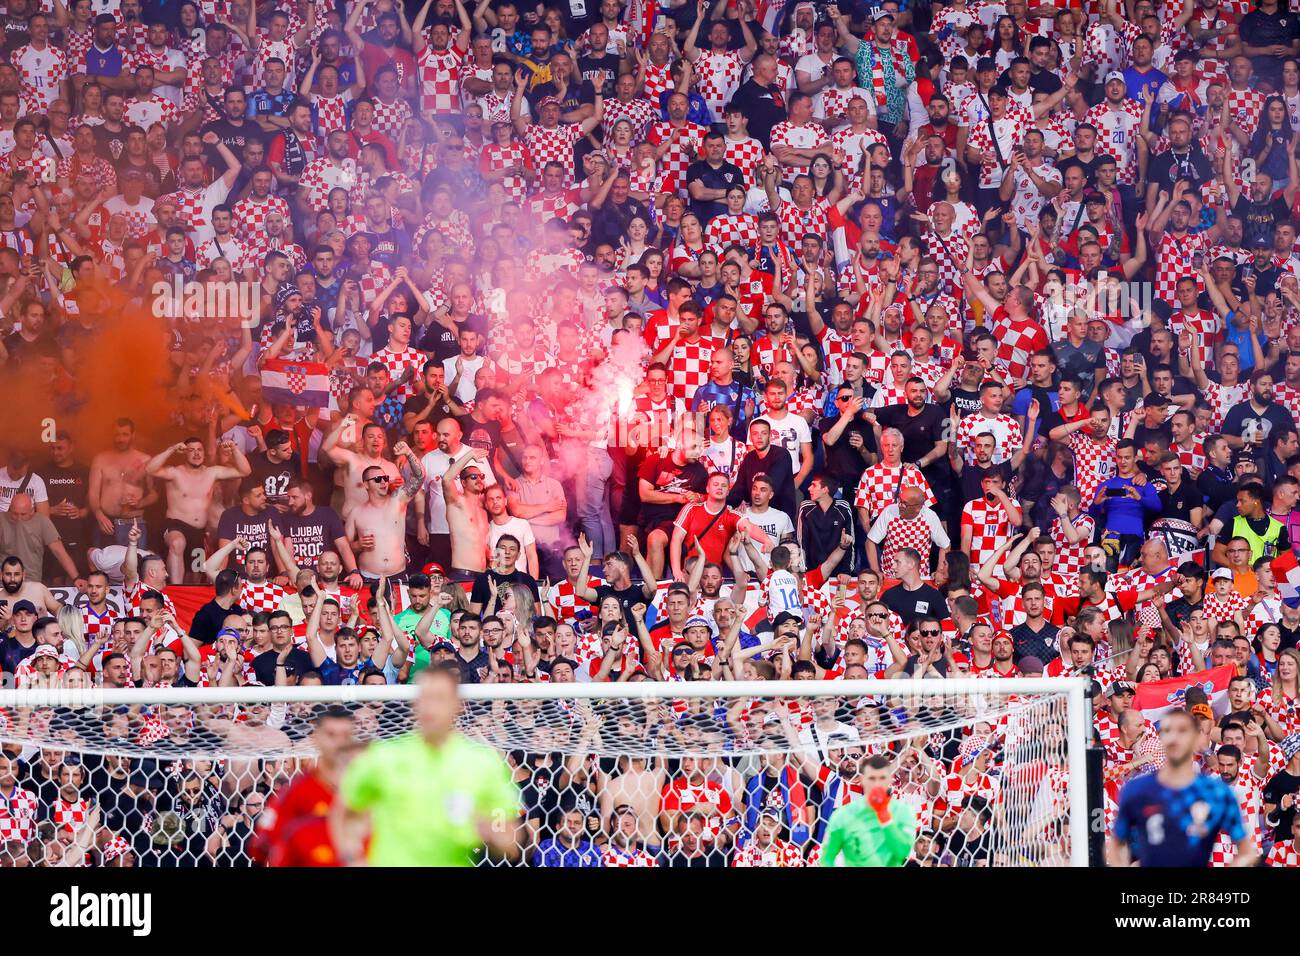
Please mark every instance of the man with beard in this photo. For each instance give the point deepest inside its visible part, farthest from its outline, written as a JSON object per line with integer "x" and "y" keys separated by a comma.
{"x": 66, "y": 483}
{"x": 16, "y": 587}
{"x": 189, "y": 489}
{"x": 1249, "y": 424}
{"x": 311, "y": 530}
{"x": 923, "y": 426}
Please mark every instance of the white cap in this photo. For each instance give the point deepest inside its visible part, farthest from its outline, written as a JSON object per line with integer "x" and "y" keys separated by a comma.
{"x": 1221, "y": 574}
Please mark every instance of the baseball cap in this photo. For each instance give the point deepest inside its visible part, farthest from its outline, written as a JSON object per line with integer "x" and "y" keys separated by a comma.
{"x": 1030, "y": 665}
{"x": 1221, "y": 574}
{"x": 1115, "y": 75}
{"x": 783, "y": 617}
{"x": 547, "y": 101}
{"x": 22, "y": 606}
{"x": 696, "y": 621}
{"x": 442, "y": 646}
{"x": 1120, "y": 687}
{"x": 1290, "y": 745}
{"x": 880, "y": 15}
{"x": 1261, "y": 242}
{"x": 431, "y": 569}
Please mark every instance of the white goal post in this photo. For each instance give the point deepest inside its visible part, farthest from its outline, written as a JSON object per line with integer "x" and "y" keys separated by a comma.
{"x": 728, "y": 722}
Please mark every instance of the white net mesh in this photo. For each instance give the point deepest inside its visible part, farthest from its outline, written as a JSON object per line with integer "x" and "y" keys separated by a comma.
{"x": 608, "y": 776}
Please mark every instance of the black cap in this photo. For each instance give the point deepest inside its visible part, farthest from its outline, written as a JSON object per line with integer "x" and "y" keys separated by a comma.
{"x": 27, "y": 606}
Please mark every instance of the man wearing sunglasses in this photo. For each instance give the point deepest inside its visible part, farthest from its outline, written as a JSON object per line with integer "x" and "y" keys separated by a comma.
{"x": 377, "y": 527}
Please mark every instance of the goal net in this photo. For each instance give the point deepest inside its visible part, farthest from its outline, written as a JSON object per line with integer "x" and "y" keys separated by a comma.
{"x": 621, "y": 775}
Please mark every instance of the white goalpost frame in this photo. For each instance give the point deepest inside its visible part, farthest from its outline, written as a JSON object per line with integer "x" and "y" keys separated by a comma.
{"x": 1074, "y": 690}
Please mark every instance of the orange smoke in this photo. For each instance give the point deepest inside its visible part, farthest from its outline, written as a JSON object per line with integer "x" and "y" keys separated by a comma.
{"x": 122, "y": 369}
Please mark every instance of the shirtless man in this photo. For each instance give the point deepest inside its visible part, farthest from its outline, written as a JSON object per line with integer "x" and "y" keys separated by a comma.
{"x": 638, "y": 787}
{"x": 119, "y": 489}
{"x": 356, "y": 463}
{"x": 189, "y": 493}
{"x": 377, "y": 526}
{"x": 15, "y": 587}
{"x": 467, "y": 519}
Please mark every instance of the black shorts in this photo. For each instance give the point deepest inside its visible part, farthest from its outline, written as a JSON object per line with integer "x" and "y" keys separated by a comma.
{"x": 666, "y": 526}
{"x": 194, "y": 537}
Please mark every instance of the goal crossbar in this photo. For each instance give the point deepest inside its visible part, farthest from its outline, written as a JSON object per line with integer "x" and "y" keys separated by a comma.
{"x": 1072, "y": 690}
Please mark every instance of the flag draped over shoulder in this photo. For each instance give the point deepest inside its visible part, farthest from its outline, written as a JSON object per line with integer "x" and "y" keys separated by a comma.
{"x": 302, "y": 384}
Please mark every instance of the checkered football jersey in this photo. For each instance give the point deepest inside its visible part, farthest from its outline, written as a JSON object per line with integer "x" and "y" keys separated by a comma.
{"x": 18, "y": 814}
{"x": 728, "y": 230}
{"x": 1283, "y": 854}
{"x": 1245, "y": 105}
{"x": 565, "y": 603}
{"x": 797, "y": 223}
{"x": 779, "y": 854}
{"x": 398, "y": 362}
{"x": 1094, "y": 463}
{"x": 990, "y": 528}
{"x": 1222, "y": 397}
{"x": 1117, "y": 135}
{"x": 1018, "y": 339}
{"x": 391, "y": 118}
{"x": 903, "y": 533}
{"x": 1011, "y": 130}
{"x": 228, "y": 248}
{"x": 745, "y": 154}
{"x": 1005, "y": 429}
{"x": 950, "y": 254}
{"x": 1285, "y": 710}
{"x": 1174, "y": 257}
{"x": 250, "y": 215}
{"x": 637, "y": 858}
{"x": 638, "y": 111}
{"x": 264, "y": 596}
{"x": 330, "y": 112}
{"x": 881, "y": 485}
{"x": 1069, "y": 557}
{"x": 688, "y": 366}
{"x": 717, "y": 77}
{"x": 686, "y": 142}
{"x": 439, "y": 75}
{"x": 658, "y": 80}
{"x": 854, "y": 146}
{"x": 807, "y": 136}
{"x": 553, "y": 145}
{"x": 40, "y": 72}
{"x": 495, "y": 157}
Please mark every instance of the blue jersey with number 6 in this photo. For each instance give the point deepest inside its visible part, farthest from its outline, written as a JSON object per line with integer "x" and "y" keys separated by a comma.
{"x": 1164, "y": 826}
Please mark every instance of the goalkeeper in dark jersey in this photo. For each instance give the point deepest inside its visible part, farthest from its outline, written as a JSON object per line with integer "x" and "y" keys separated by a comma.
{"x": 1174, "y": 816}
{"x": 877, "y": 831}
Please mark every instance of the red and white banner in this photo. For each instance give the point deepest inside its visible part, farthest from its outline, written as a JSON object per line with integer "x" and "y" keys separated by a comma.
{"x": 1156, "y": 698}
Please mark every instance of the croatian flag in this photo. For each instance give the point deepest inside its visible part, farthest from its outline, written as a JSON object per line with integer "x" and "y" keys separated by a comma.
{"x": 839, "y": 239}
{"x": 1156, "y": 698}
{"x": 769, "y": 14}
{"x": 302, "y": 384}
{"x": 1286, "y": 570}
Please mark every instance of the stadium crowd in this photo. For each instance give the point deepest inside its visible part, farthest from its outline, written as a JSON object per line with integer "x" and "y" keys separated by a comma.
{"x": 580, "y": 342}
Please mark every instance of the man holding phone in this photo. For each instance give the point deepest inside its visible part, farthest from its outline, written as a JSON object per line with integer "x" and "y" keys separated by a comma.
{"x": 1123, "y": 503}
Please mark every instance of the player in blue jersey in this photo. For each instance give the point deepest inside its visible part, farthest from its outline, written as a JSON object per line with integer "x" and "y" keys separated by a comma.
{"x": 1174, "y": 816}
